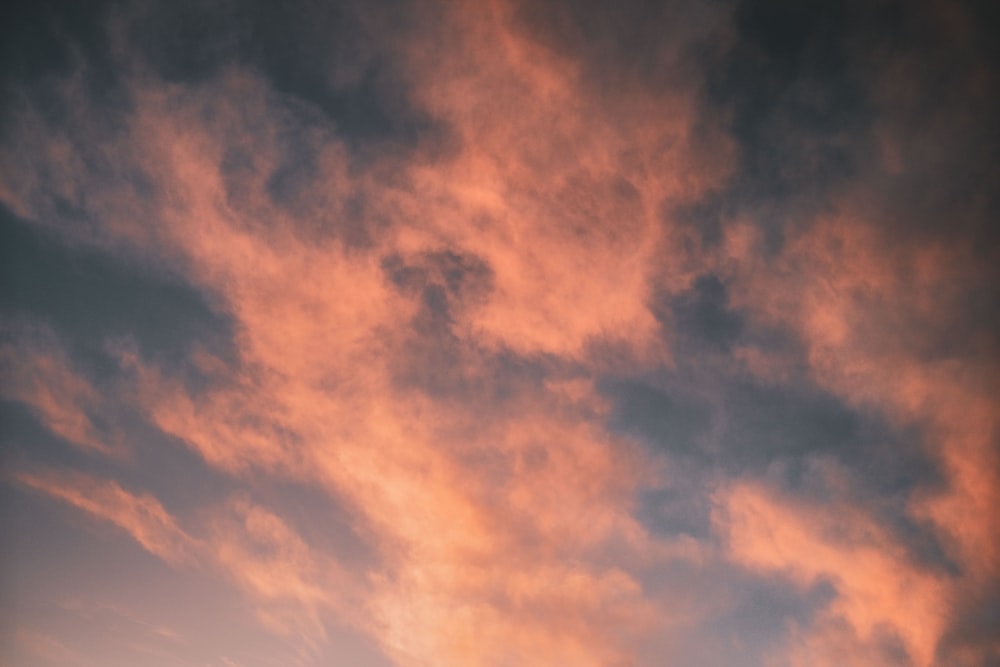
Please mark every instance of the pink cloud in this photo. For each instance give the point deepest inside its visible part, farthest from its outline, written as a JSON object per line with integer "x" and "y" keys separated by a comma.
{"x": 858, "y": 300}
{"x": 295, "y": 589}
{"x": 141, "y": 516}
{"x": 492, "y": 520}
{"x": 38, "y": 373}
{"x": 503, "y": 516}
{"x": 877, "y": 587}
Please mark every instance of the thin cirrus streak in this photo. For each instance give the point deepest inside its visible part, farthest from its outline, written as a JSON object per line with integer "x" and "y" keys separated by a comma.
{"x": 142, "y": 517}
{"x": 244, "y": 542}
{"x": 41, "y": 377}
{"x": 496, "y": 333}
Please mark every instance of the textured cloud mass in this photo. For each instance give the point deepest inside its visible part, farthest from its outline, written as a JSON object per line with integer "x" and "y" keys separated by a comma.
{"x": 500, "y": 333}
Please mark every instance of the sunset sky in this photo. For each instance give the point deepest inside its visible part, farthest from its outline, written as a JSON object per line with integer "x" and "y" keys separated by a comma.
{"x": 499, "y": 333}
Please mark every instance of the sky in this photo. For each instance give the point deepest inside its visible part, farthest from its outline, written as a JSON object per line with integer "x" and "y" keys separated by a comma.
{"x": 508, "y": 333}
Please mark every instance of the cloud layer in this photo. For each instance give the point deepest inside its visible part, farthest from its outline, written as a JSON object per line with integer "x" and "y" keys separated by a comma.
{"x": 502, "y": 334}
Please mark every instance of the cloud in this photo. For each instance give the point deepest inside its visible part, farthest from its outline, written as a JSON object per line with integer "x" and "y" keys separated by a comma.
{"x": 292, "y": 586}
{"x": 475, "y": 507}
{"x": 875, "y": 585}
{"x": 854, "y": 305}
{"x": 39, "y": 374}
{"x": 141, "y": 516}
{"x": 528, "y": 298}
{"x": 292, "y": 583}
{"x": 859, "y": 303}
{"x": 47, "y": 648}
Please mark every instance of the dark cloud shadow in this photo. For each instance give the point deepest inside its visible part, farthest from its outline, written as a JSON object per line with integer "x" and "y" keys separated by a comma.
{"x": 93, "y": 299}
{"x": 325, "y": 55}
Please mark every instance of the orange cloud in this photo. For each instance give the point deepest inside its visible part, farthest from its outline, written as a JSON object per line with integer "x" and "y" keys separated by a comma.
{"x": 864, "y": 305}
{"x": 292, "y": 586}
{"x": 877, "y": 587}
{"x": 38, "y": 373}
{"x": 141, "y": 516}
{"x": 560, "y": 189}
{"x": 493, "y": 516}
{"x": 501, "y": 509}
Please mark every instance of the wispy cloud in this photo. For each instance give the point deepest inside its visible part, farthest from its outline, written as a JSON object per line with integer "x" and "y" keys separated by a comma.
{"x": 877, "y": 589}
{"x": 39, "y": 374}
{"x": 141, "y": 516}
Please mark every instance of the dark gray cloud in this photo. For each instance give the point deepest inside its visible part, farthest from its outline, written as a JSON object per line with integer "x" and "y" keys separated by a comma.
{"x": 324, "y": 54}
{"x": 811, "y": 92}
{"x": 334, "y": 58}
{"x": 43, "y": 38}
{"x": 703, "y": 314}
{"x": 94, "y": 298}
